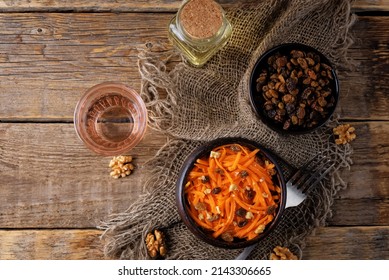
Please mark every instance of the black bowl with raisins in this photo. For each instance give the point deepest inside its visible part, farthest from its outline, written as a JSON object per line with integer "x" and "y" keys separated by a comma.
{"x": 294, "y": 88}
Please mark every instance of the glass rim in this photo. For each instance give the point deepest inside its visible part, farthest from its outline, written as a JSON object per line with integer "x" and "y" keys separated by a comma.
{"x": 100, "y": 90}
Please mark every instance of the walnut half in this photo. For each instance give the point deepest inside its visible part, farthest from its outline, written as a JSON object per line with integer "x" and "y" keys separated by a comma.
{"x": 155, "y": 243}
{"x": 345, "y": 133}
{"x": 121, "y": 166}
{"x": 282, "y": 253}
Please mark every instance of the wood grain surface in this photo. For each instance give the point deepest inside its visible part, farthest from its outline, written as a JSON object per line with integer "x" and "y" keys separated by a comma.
{"x": 139, "y": 5}
{"x": 78, "y": 51}
{"x": 53, "y": 191}
{"x": 59, "y": 183}
{"x": 51, "y": 244}
{"x": 348, "y": 243}
{"x": 372, "y": 243}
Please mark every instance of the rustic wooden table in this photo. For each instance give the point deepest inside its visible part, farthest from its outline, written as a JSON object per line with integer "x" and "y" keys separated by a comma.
{"x": 53, "y": 191}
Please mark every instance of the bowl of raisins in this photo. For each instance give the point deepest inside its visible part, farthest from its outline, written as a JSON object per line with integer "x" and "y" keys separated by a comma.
{"x": 294, "y": 89}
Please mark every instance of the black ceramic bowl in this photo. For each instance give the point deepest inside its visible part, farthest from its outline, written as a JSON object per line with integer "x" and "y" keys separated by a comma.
{"x": 257, "y": 99}
{"x": 182, "y": 202}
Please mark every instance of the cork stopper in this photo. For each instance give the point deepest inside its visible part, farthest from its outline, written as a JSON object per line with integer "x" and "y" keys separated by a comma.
{"x": 201, "y": 18}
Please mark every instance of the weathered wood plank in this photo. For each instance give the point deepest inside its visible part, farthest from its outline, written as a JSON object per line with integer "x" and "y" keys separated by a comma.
{"x": 371, "y": 5}
{"x": 48, "y": 60}
{"x": 51, "y": 245}
{"x": 360, "y": 212}
{"x": 348, "y": 243}
{"x": 363, "y": 96}
{"x": 327, "y": 243}
{"x": 368, "y": 176}
{"x": 49, "y": 179}
{"x": 139, "y": 5}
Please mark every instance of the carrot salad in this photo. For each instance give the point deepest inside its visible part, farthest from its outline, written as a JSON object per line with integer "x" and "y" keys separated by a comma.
{"x": 231, "y": 192}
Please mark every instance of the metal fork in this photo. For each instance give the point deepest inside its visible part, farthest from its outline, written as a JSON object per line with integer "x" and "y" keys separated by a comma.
{"x": 305, "y": 178}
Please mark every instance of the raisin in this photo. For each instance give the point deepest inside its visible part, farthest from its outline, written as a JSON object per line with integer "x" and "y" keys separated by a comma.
{"x": 243, "y": 174}
{"x": 290, "y": 108}
{"x": 249, "y": 194}
{"x": 216, "y": 190}
{"x": 242, "y": 223}
{"x": 241, "y": 212}
{"x": 204, "y": 179}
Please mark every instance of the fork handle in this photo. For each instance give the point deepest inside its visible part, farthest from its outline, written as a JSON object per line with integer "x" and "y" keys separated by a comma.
{"x": 246, "y": 252}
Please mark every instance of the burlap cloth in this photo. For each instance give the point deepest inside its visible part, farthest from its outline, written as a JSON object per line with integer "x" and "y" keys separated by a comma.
{"x": 198, "y": 105}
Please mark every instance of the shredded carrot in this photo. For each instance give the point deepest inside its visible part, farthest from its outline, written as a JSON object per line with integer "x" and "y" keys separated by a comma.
{"x": 235, "y": 162}
{"x": 234, "y": 189}
{"x": 258, "y": 199}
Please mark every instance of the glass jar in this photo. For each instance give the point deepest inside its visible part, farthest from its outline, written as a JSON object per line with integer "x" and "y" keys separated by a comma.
{"x": 199, "y": 29}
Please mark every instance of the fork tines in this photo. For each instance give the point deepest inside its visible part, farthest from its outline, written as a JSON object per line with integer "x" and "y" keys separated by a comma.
{"x": 312, "y": 172}
{"x": 303, "y": 169}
